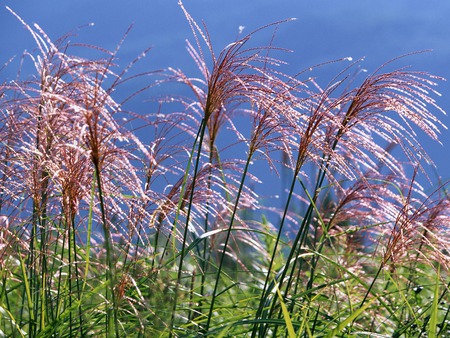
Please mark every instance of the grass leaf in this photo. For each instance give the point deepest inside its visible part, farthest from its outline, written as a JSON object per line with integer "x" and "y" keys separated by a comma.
{"x": 341, "y": 326}
{"x": 433, "y": 323}
{"x": 286, "y": 314}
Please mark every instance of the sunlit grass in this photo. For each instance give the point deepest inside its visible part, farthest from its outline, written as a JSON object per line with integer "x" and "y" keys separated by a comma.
{"x": 117, "y": 223}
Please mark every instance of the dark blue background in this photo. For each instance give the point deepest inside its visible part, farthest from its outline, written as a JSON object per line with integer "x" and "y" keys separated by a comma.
{"x": 324, "y": 30}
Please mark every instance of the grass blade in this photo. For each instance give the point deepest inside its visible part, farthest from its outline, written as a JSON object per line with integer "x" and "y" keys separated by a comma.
{"x": 433, "y": 323}
{"x": 286, "y": 315}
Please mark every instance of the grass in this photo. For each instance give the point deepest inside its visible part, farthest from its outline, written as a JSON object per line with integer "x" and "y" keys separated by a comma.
{"x": 119, "y": 223}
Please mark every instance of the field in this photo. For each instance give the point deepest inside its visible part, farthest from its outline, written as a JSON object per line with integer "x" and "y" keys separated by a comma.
{"x": 119, "y": 223}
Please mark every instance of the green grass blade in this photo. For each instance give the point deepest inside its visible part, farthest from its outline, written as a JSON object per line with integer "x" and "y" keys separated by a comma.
{"x": 432, "y": 327}
{"x": 88, "y": 236}
{"x": 286, "y": 315}
{"x": 27, "y": 287}
{"x": 4, "y": 311}
{"x": 350, "y": 319}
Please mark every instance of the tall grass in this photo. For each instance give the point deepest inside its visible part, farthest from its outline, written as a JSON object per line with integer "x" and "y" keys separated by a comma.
{"x": 116, "y": 222}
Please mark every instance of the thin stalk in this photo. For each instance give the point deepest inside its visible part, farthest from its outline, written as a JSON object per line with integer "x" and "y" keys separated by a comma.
{"x": 301, "y": 235}
{"x": 89, "y": 230}
{"x": 183, "y": 244}
{"x": 205, "y": 255}
{"x": 110, "y": 273}
{"x": 158, "y": 229}
{"x": 54, "y": 268}
{"x": 88, "y": 237}
{"x": 72, "y": 246}
{"x": 43, "y": 252}
{"x": 70, "y": 278}
{"x": 444, "y": 323}
{"x": 372, "y": 284}
{"x": 77, "y": 276}
{"x": 31, "y": 281}
{"x": 298, "y": 241}
{"x": 315, "y": 259}
{"x": 59, "y": 306}
{"x": 269, "y": 270}
{"x": 27, "y": 291}
{"x": 183, "y": 189}
{"x": 227, "y": 238}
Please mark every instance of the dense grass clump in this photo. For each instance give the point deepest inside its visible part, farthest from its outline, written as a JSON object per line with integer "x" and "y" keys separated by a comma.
{"x": 145, "y": 224}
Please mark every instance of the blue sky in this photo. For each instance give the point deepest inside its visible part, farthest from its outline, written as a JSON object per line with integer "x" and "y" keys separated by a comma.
{"x": 324, "y": 30}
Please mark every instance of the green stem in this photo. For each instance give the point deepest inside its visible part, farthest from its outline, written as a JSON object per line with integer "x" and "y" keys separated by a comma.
{"x": 227, "y": 238}
{"x": 206, "y": 253}
{"x": 110, "y": 273}
{"x": 182, "y": 192}
{"x": 77, "y": 274}
{"x": 268, "y": 278}
{"x": 199, "y": 137}
{"x": 299, "y": 239}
